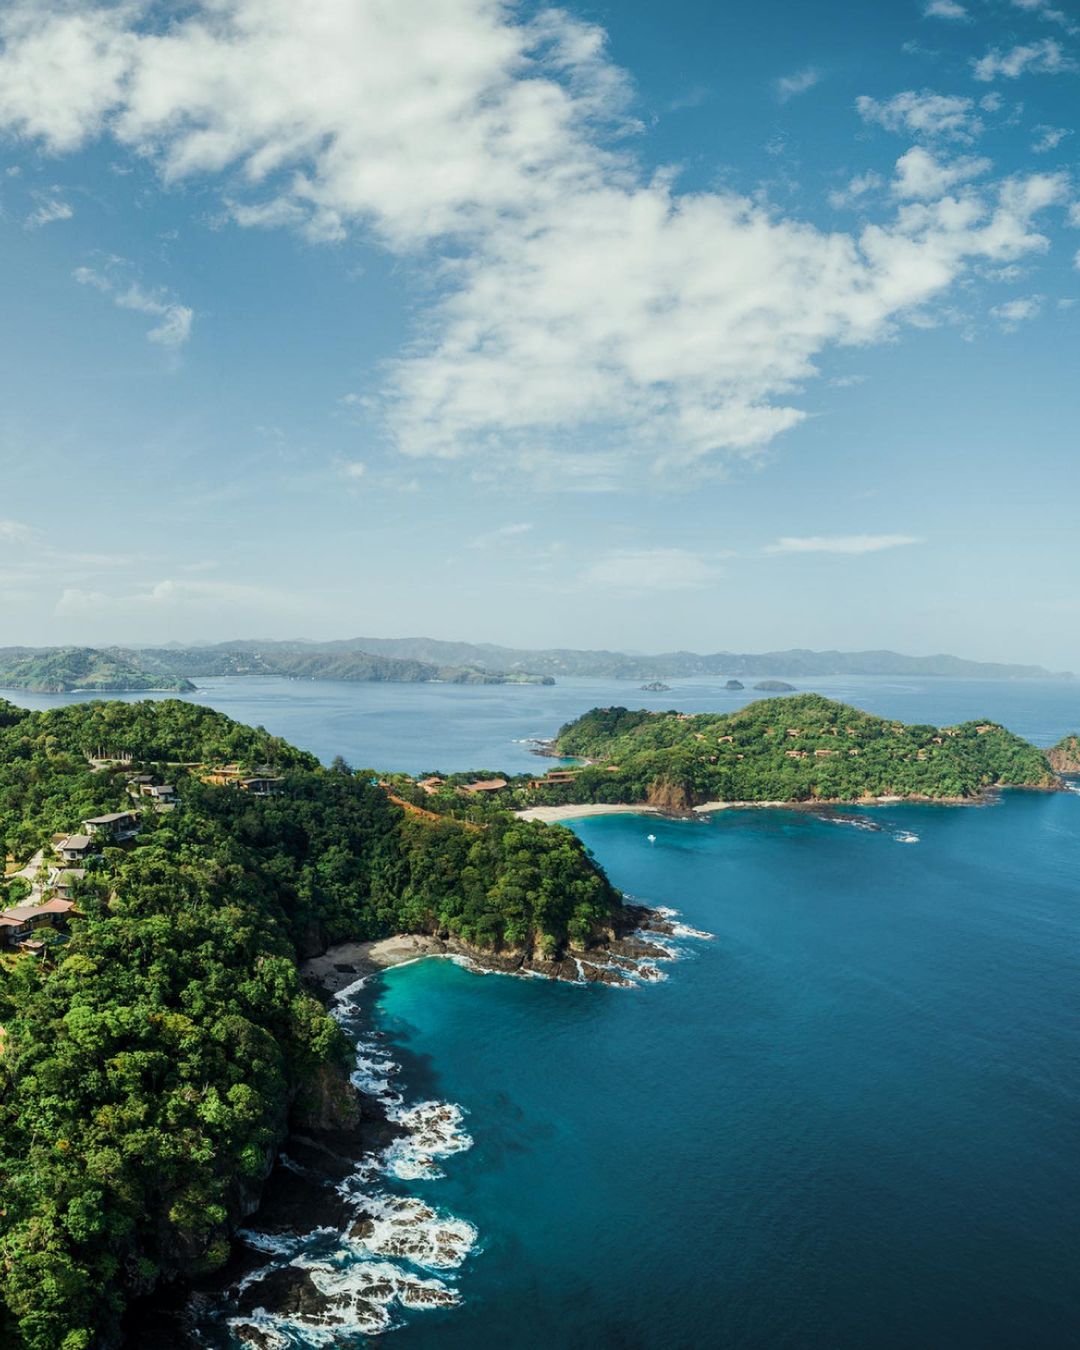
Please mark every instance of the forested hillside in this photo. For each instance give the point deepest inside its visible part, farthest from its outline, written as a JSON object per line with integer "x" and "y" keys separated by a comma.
{"x": 148, "y": 1059}
{"x": 800, "y": 748}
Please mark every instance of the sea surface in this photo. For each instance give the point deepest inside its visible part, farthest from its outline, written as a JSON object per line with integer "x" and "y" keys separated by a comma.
{"x": 419, "y": 727}
{"x": 849, "y": 1119}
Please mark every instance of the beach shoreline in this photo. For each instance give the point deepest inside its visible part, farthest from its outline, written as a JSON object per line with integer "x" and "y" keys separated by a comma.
{"x": 551, "y": 815}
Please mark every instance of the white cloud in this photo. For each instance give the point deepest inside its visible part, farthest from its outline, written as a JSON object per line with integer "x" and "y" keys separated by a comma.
{"x": 14, "y": 532}
{"x": 857, "y": 188}
{"x": 493, "y": 538}
{"x": 353, "y": 469}
{"x": 50, "y": 208}
{"x": 790, "y": 86}
{"x": 591, "y": 316}
{"x": 945, "y": 9}
{"x": 1046, "y": 57}
{"x": 921, "y": 174}
{"x": 923, "y": 113}
{"x": 1015, "y": 312}
{"x": 652, "y": 569}
{"x": 1049, "y": 138}
{"x": 1044, "y": 10}
{"x": 176, "y": 319}
{"x": 842, "y": 543}
{"x": 168, "y": 595}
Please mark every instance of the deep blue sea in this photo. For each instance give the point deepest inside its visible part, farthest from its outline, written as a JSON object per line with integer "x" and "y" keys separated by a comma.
{"x": 850, "y": 1120}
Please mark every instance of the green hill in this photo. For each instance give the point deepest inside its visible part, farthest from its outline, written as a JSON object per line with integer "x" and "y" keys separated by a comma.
{"x": 801, "y": 748}
{"x": 59, "y": 670}
{"x": 148, "y": 1061}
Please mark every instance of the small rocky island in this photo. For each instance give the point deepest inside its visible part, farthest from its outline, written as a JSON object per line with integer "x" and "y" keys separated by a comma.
{"x": 656, "y": 687}
{"x": 734, "y": 685}
{"x": 774, "y": 687}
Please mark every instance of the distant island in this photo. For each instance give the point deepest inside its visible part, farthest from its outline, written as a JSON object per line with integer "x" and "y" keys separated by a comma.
{"x": 57, "y": 670}
{"x": 60, "y": 670}
{"x": 656, "y": 687}
{"x": 428, "y": 661}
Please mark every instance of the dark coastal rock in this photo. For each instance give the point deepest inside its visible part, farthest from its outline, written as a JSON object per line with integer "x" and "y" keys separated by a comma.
{"x": 290, "y": 1291}
{"x": 734, "y": 684}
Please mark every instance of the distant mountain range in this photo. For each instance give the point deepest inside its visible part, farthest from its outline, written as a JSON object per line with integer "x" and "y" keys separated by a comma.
{"x": 426, "y": 660}
{"x": 619, "y": 665}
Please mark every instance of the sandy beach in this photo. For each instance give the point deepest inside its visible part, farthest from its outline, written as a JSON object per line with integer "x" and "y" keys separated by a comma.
{"x": 347, "y": 962}
{"x": 552, "y": 814}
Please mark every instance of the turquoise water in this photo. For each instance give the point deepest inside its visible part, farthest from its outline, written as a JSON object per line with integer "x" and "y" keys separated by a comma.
{"x": 851, "y": 1120}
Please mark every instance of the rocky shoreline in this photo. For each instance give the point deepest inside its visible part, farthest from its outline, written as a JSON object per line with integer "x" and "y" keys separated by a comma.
{"x": 330, "y": 1249}
{"x": 623, "y": 955}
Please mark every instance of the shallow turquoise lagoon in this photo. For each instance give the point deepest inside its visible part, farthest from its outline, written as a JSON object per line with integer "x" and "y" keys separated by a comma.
{"x": 852, "y": 1119}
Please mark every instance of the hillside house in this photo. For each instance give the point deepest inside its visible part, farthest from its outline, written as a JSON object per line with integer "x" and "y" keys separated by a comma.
{"x": 485, "y": 785}
{"x": 431, "y": 785}
{"x": 20, "y": 923}
{"x": 116, "y": 827}
{"x": 76, "y": 848}
{"x": 261, "y": 785}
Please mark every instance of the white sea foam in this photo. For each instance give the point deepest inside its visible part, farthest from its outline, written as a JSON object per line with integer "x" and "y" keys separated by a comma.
{"x": 434, "y": 1130}
{"x": 683, "y": 930}
{"x": 906, "y": 837}
{"x": 279, "y": 1244}
{"x": 406, "y": 1228}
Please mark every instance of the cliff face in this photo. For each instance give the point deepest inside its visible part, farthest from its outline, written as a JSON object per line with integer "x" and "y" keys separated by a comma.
{"x": 1065, "y": 756}
{"x": 668, "y": 796}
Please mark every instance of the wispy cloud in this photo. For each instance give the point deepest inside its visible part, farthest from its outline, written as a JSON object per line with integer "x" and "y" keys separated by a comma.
{"x": 50, "y": 208}
{"x": 1049, "y": 138}
{"x": 946, "y": 9}
{"x": 493, "y": 538}
{"x": 791, "y": 86}
{"x": 1043, "y": 9}
{"x": 176, "y": 319}
{"x": 924, "y": 113}
{"x": 842, "y": 543}
{"x": 1047, "y": 57}
{"x": 653, "y": 569}
{"x": 1015, "y": 312}
{"x": 14, "y": 532}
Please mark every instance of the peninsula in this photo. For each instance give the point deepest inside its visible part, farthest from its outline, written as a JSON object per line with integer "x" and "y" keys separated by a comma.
{"x": 800, "y": 748}
{"x": 60, "y": 670}
{"x": 166, "y": 871}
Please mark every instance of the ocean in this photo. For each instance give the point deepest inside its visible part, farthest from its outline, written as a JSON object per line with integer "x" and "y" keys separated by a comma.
{"x": 848, "y": 1118}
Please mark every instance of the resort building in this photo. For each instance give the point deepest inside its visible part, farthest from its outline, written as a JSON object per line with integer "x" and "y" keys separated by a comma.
{"x": 116, "y": 827}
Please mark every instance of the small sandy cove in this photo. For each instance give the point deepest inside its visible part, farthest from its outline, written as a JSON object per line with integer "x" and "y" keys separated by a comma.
{"x": 348, "y": 962}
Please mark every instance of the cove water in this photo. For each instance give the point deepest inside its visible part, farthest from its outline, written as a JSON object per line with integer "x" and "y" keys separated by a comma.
{"x": 850, "y": 1120}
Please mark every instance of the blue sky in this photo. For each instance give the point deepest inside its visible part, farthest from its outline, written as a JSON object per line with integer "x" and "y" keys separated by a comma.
{"x": 709, "y": 325}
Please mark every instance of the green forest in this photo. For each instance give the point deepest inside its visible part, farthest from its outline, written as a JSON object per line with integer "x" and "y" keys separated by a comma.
{"x": 149, "y": 1057}
{"x": 57, "y": 670}
{"x": 799, "y": 748}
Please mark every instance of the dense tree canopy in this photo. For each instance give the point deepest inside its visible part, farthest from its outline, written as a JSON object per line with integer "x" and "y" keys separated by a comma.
{"x": 148, "y": 1060}
{"x": 801, "y": 748}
